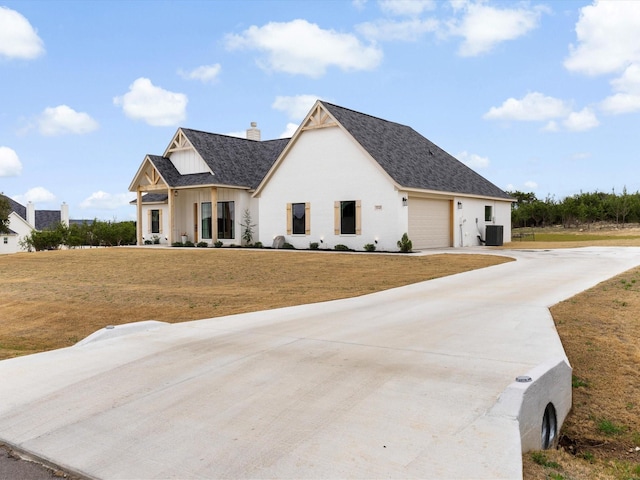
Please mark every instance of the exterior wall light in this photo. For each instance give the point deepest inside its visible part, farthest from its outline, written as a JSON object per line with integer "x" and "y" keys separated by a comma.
{"x": 404, "y": 201}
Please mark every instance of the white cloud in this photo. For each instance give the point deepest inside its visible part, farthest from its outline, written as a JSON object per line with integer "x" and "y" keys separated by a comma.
{"x": 532, "y": 107}
{"x": 551, "y": 126}
{"x": 63, "y": 119}
{"x": 36, "y": 195}
{"x": 289, "y": 130}
{"x": 483, "y": 27}
{"x": 406, "y": 7}
{"x": 607, "y": 35}
{"x": 296, "y": 107}
{"x": 531, "y": 185}
{"x": 580, "y": 121}
{"x": 154, "y": 105}
{"x": 106, "y": 201}
{"x": 204, "y": 73}
{"x": 302, "y": 48}
{"x": 18, "y": 39}
{"x": 10, "y": 165}
{"x": 408, "y": 31}
{"x": 473, "y": 160}
{"x": 627, "y": 98}
{"x": 621, "y": 103}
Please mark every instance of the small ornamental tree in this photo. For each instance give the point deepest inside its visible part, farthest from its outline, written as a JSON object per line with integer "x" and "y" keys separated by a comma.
{"x": 247, "y": 227}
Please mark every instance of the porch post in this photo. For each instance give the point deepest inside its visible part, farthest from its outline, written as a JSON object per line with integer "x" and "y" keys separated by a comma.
{"x": 214, "y": 214}
{"x": 139, "y": 217}
{"x": 171, "y": 215}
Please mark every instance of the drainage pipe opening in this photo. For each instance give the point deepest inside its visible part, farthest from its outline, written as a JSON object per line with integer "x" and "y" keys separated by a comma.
{"x": 549, "y": 427}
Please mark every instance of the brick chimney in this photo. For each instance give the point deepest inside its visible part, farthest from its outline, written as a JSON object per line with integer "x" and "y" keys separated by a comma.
{"x": 253, "y": 133}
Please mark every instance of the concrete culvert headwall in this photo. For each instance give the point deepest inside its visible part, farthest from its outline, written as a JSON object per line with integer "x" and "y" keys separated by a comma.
{"x": 540, "y": 401}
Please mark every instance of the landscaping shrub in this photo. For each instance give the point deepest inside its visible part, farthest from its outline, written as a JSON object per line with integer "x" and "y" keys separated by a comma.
{"x": 404, "y": 244}
{"x": 341, "y": 247}
{"x": 203, "y": 244}
{"x": 314, "y": 245}
{"x": 370, "y": 247}
{"x": 288, "y": 246}
{"x": 257, "y": 245}
{"x": 218, "y": 244}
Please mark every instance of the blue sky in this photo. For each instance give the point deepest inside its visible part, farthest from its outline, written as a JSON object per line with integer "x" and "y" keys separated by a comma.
{"x": 541, "y": 97}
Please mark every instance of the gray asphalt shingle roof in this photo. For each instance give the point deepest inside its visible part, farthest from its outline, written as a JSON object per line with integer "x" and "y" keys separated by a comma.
{"x": 236, "y": 161}
{"x": 21, "y": 210}
{"x": 409, "y": 158}
{"x": 47, "y": 219}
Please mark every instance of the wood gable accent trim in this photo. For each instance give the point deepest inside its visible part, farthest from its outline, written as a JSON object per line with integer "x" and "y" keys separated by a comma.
{"x": 179, "y": 143}
{"x": 319, "y": 118}
{"x": 148, "y": 178}
{"x": 151, "y": 180}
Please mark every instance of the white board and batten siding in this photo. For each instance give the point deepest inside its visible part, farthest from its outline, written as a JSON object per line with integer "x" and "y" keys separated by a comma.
{"x": 429, "y": 222}
{"x": 188, "y": 162}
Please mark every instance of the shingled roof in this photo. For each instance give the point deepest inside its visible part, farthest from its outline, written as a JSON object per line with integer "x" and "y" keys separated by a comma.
{"x": 235, "y": 161}
{"x": 43, "y": 218}
{"x": 46, "y": 219}
{"x": 409, "y": 158}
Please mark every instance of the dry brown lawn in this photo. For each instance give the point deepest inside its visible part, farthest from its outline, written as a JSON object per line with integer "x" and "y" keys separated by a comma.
{"x": 53, "y": 299}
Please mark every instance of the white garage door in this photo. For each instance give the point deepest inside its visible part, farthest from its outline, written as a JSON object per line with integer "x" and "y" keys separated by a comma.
{"x": 429, "y": 223}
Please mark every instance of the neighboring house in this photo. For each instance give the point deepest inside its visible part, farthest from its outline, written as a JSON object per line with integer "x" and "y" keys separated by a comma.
{"x": 24, "y": 220}
{"x": 343, "y": 178}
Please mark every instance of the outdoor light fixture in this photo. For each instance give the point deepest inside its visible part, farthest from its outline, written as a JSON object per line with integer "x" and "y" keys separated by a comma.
{"x": 459, "y": 205}
{"x": 404, "y": 201}
{"x": 175, "y": 193}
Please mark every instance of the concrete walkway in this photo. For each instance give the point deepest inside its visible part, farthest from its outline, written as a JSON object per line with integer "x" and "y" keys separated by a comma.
{"x": 415, "y": 382}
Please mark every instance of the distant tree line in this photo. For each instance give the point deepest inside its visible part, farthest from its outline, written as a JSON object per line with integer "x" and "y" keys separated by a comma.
{"x": 579, "y": 210}
{"x": 93, "y": 234}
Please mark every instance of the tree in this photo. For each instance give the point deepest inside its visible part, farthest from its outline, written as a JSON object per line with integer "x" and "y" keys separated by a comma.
{"x": 5, "y": 211}
{"x": 247, "y": 227}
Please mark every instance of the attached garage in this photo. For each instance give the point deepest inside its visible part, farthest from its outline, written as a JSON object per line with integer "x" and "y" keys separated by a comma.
{"x": 429, "y": 223}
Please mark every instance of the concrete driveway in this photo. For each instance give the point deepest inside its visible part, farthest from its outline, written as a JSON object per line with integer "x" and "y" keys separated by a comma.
{"x": 415, "y": 382}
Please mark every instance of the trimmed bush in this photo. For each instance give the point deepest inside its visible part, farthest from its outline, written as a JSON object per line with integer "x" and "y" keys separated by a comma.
{"x": 288, "y": 246}
{"x": 370, "y": 247}
{"x": 341, "y": 247}
{"x": 203, "y": 244}
{"x": 404, "y": 244}
{"x": 218, "y": 244}
{"x": 314, "y": 245}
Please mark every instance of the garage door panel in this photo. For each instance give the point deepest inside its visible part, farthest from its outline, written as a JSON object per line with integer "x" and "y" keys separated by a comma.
{"x": 429, "y": 223}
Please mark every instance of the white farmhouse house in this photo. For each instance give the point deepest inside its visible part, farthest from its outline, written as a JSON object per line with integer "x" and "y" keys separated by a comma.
{"x": 343, "y": 178}
{"x": 24, "y": 220}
